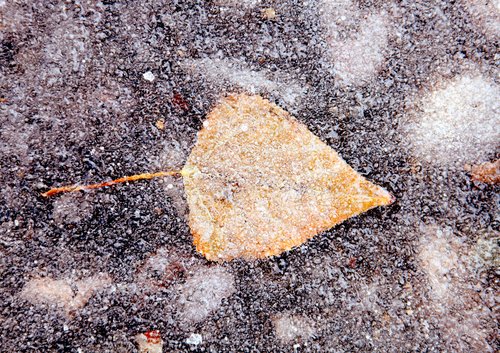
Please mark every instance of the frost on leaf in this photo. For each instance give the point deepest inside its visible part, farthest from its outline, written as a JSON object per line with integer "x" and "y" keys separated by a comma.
{"x": 258, "y": 182}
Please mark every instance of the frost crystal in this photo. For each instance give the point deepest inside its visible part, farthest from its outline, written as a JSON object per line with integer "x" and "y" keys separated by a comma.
{"x": 64, "y": 294}
{"x": 288, "y": 328}
{"x": 221, "y": 72}
{"x": 203, "y": 293}
{"x": 459, "y": 122}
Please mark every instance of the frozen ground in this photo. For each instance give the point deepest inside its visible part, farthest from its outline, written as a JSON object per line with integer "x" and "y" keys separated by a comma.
{"x": 406, "y": 91}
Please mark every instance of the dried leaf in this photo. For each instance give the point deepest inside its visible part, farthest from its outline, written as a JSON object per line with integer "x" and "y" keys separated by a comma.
{"x": 488, "y": 172}
{"x": 258, "y": 183}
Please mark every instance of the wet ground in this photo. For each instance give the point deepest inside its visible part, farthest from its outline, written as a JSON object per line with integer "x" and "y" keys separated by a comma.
{"x": 407, "y": 92}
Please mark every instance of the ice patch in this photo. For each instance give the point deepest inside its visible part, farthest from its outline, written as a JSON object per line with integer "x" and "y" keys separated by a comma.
{"x": 64, "y": 294}
{"x": 357, "y": 55}
{"x": 164, "y": 268}
{"x": 173, "y": 157}
{"x": 289, "y": 328}
{"x": 244, "y": 4}
{"x": 357, "y": 60}
{"x": 57, "y": 293}
{"x": 456, "y": 294}
{"x": 221, "y": 72}
{"x": 14, "y": 137}
{"x": 486, "y": 14}
{"x": 203, "y": 293}
{"x": 487, "y": 252}
{"x": 439, "y": 257}
{"x": 458, "y": 123}
{"x": 72, "y": 209}
{"x": 65, "y": 51}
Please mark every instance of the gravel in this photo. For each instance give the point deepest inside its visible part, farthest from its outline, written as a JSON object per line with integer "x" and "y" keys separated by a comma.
{"x": 91, "y": 91}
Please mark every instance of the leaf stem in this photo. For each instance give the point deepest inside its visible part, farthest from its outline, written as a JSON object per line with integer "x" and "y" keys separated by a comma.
{"x": 72, "y": 188}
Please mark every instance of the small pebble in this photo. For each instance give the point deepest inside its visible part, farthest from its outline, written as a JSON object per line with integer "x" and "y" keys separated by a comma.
{"x": 194, "y": 339}
{"x": 148, "y": 76}
{"x": 160, "y": 124}
{"x": 268, "y": 13}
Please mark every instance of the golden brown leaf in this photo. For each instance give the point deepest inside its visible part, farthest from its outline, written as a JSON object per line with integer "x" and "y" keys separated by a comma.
{"x": 488, "y": 172}
{"x": 258, "y": 182}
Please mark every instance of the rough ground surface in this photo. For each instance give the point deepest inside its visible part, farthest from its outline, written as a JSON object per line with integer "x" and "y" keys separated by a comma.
{"x": 96, "y": 90}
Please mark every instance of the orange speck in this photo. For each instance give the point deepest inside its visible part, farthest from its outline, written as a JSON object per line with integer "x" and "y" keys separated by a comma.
{"x": 160, "y": 124}
{"x": 268, "y": 13}
{"x": 153, "y": 336}
{"x": 488, "y": 172}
